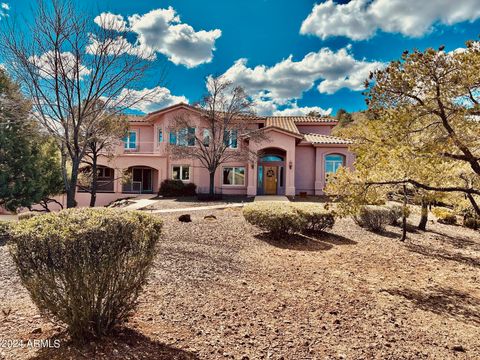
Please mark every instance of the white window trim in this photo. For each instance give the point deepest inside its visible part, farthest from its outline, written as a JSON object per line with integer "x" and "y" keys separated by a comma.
{"x": 128, "y": 148}
{"x": 181, "y": 169}
{"x": 235, "y": 167}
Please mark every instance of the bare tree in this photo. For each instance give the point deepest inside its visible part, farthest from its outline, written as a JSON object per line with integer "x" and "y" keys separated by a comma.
{"x": 102, "y": 139}
{"x": 225, "y": 114}
{"x": 67, "y": 67}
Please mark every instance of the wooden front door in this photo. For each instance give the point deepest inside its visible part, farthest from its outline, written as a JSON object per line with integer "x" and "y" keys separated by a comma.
{"x": 271, "y": 173}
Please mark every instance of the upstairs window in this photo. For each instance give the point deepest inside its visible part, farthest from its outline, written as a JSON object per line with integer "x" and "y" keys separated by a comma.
{"x": 130, "y": 141}
{"x": 206, "y": 137}
{"x": 230, "y": 139}
{"x": 183, "y": 137}
{"x": 333, "y": 162}
{"x": 160, "y": 135}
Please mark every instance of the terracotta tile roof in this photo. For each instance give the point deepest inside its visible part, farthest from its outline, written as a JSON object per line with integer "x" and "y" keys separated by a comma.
{"x": 306, "y": 119}
{"x": 282, "y": 123}
{"x": 325, "y": 139}
{"x": 137, "y": 118}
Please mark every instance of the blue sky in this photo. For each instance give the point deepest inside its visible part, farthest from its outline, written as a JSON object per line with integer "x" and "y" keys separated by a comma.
{"x": 291, "y": 56}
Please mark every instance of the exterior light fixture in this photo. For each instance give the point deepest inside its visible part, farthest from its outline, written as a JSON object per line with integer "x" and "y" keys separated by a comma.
{"x": 290, "y": 165}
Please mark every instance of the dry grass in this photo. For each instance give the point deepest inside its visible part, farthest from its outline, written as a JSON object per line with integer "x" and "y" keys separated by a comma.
{"x": 222, "y": 289}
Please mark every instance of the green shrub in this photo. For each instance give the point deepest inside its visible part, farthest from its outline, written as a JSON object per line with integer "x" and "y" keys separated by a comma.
{"x": 86, "y": 267}
{"x": 445, "y": 216}
{"x": 472, "y": 223}
{"x": 282, "y": 218}
{"x": 396, "y": 211}
{"x": 279, "y": 218}
{"x": 316, "y": 217}
{"x": 374, "y": 217}
{"x": 177, "y": 188}
{"x": 27, "y": 215}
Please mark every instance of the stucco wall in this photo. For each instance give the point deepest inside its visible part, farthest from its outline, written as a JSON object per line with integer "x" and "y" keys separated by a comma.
{"x": 305, "y": 169}
{"x": 315, "y": 129}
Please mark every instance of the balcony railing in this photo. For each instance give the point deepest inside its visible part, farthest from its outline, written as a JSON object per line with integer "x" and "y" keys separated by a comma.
{"x": 142, "y": 147}
{"x": 102, "y": 186}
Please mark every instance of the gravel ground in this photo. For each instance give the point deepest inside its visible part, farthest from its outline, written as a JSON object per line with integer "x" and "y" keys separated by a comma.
{"x": 221, "y": 289}
{"x": 187, "y": 202}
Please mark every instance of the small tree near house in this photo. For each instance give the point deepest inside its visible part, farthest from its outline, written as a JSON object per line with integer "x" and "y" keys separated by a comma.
{"x": 225, "y": 115}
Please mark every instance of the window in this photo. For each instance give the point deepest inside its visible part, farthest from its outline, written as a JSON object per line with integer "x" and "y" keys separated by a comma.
{"x": 206, "y": 137}
{"x": 130, "y": 141}
{"x": 267, "y": 158}
{"x": 160, "y": 135}
{"x": 105, "y": 172}
{"x": 333, "y": 162}
{"x": 233, "y": 176}
{"x": 183, "y": 137}
{"x": 181, "y": 172}
{"x": 230, "y": 138}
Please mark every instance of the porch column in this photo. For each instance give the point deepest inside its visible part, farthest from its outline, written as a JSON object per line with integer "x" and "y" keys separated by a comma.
{"x": 319, "y": 178}
{"x": 252, "y": 178}
{"x": 117, "y": 184}
{"x": 290, "y": 178}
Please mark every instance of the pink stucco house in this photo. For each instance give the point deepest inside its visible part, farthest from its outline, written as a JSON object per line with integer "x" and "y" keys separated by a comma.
{"x": 298, "y": 155}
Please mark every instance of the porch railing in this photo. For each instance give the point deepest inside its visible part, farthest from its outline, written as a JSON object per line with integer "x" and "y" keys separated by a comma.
{"x": 134, "y": 187}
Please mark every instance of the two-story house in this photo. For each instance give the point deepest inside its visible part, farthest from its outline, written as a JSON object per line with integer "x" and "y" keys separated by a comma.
{"x": 297, "y": 157}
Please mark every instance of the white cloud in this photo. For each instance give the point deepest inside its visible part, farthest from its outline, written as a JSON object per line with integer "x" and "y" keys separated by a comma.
{"x": 111, "y": 21}
{"x": 289, "y": 79}
{"x": 162, "y": 31}
{"x": 45, "y": 64}
{"x": 360, "y": 19}
{"x": 302, "y": 110}
{"x": 119, "y": 46}
{"x": 151, "y": 99}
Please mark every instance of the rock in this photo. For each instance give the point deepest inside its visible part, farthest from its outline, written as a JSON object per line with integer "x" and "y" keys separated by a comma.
{"x": 185, "y": 218}
{"x": 210, "y": 217}
{"x": 37, "y": 331}
{"x": 458, "y": 348}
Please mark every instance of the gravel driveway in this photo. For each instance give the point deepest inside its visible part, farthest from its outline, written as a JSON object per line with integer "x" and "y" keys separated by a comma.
{"x": 221, "y": 289}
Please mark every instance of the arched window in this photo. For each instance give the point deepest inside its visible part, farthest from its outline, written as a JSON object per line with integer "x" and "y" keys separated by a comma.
{"x": 333, "y": 162}
{"x": 267, "y": 158}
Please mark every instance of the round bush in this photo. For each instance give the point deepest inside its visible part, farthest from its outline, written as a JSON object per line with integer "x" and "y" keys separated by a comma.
{"x": 374, "y": 217}
{"x": 27, "y": 215}
{"x": 472, "y": 223}
{"x": 5, "y": 228}
{"x": 86, "y": 267}
{"x": 315, "y": 217}
{"x": 445, "y": 216}
{"x": 279, "y": 218}
{"x": 397, "y": 213}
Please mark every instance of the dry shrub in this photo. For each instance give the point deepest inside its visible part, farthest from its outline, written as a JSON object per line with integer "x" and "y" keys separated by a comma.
{"x": 5, "y": 228}
{"x": 283, "y": 218}
{"x": 472, "y": 222}
{"x": 396, "y": 211}
{"x": 374, "y": 217}
{"x": 27, "y": 215}
{"x": 445, "y": 216}
{"x": 86, "y": 267}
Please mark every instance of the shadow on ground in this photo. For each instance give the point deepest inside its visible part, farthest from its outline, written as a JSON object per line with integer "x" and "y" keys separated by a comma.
{"x": 444, "y": 254}
{"x": 309, "y": 242}
{"x": 443, "y": 301}
{"x": 125, "y": 344}
{"x": 456, "y": 241}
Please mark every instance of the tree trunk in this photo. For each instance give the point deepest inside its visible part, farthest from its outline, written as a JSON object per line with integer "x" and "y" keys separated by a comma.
{"x": 474, "y": 204}
{"x": 72, "y": 186}
{"x": 94, "y": 184}
{"x": 404, "y": 215}
{"x": 211, "y": 191}
{"x": 424, "y": 215}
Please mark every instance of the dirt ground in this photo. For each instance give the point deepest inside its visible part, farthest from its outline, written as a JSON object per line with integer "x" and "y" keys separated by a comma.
{"x": 221, "y": 289}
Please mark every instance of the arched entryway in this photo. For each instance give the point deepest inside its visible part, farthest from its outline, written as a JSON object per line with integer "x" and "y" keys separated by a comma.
{"x": 271, "y": 172}
{"x": 140, "y": 180}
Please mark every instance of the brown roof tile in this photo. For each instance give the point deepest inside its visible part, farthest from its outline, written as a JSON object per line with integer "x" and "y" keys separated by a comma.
{"x": 282, "y": 123}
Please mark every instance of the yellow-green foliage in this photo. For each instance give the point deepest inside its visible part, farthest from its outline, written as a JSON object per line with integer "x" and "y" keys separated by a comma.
{"x": 280, "y": 218}
{"x": 86, "y": 267}
{"x": 374, "y": 217}
{"x": 444, "y": 215}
